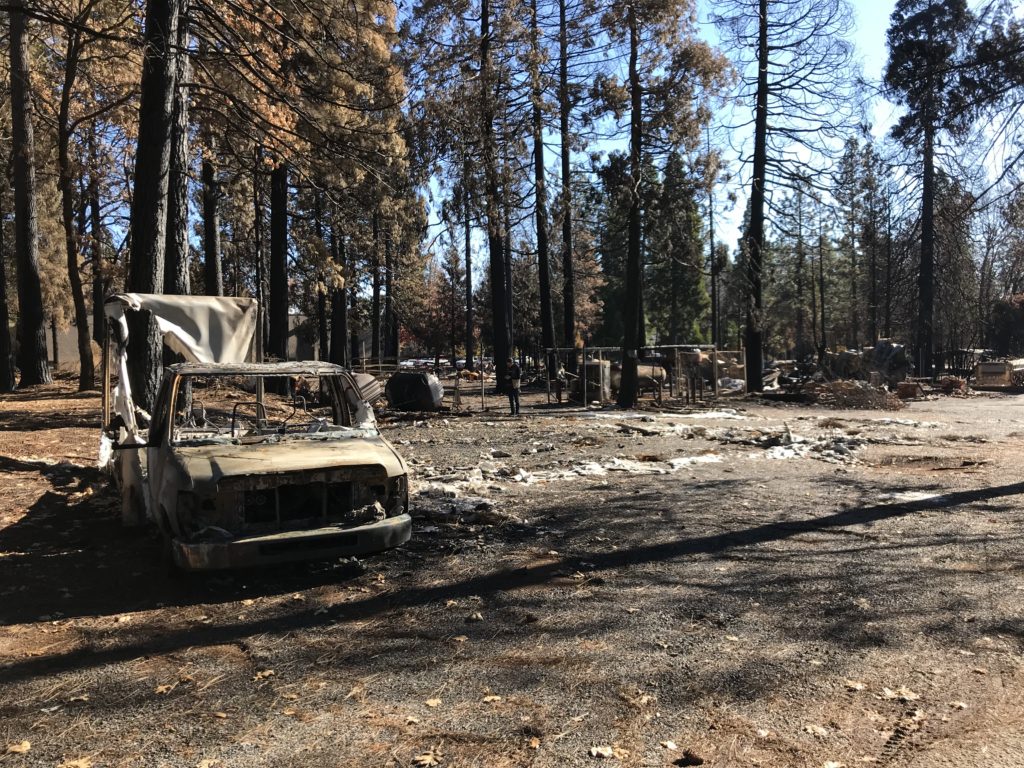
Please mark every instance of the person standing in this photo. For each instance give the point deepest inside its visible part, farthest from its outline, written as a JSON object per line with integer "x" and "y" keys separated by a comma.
{"x": 513, "y": 379}
{"x": 560, "y": 382}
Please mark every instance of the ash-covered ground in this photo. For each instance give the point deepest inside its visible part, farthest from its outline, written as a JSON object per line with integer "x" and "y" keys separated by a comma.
{"x": 742, "y": 584}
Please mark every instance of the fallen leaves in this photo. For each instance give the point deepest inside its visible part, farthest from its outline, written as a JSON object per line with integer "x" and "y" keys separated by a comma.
{"x": 163, "y": 690}
{"x": 19, "y": 747}
{"x": 902, "y": 693}
{"x": 854, "y": 685}
{"x": 638, "y": 699}
{"x": 833, "y": 764}
{"x": 81, "y": 762}
{"x": 263, "y": 674}
{"x": 605, "y": 752}
{"x": 358, "y": 692}
{"x": 475, "y": 616}
{"x": 671, "y": 746}
{"x": 492, "y": 699}
{"x": 433, "y": 703}
{"x": 427, "y": 759}
{"x": 816, "y": 730}
{"x": 958, "y": 704}
{"x": 534, "y": 743}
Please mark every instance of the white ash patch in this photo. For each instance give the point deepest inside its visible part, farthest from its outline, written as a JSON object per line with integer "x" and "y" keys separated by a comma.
{"x": 906, "y": 423}
{"x": 722, "y": 414}
{"x": 784, "y": 444}
{"x": 624, "y": 465}
{"x": 689, "y": 461}
{"x": 783, "y": 452}
{"x": 615, "y": 415}
{"x": 912, "y": 497}
{"x": 465, "y": 494}
{"x": 653, "y": 418}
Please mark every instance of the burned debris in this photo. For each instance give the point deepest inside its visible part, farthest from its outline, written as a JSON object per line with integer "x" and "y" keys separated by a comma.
{"x": 414, "y": 391}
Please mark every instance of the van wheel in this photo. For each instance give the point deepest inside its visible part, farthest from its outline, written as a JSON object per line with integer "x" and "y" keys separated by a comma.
{"x": 167, "y": 561}
{"x": 163, "y": 523}
{"x": 190, "y": 583}
{"x": 133, "y": 506}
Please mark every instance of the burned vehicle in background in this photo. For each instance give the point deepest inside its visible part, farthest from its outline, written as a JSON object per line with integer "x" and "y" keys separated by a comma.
{"x": 245, "y": 463}
{"x": 414, "y": 391}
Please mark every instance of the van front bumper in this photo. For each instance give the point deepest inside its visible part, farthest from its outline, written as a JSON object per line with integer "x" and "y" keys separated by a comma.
{"x": 291, "y": 546}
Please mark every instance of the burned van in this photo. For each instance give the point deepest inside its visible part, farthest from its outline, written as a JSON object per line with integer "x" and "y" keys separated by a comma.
{"x": 243, "y": 464}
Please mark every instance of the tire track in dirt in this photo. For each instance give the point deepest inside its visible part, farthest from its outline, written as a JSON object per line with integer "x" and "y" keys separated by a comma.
{"x": 989, "y": 732}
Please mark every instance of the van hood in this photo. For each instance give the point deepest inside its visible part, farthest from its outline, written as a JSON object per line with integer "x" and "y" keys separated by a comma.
{"x": 207, "y": 465}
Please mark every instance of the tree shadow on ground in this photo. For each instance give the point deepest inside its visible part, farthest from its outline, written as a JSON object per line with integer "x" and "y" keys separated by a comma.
{"x": 60, "y": 473}
{"x": 50, "y": 392}
{"x": 128, "y": 552}
{"x": 21, "y": 421}
{"x": 69, "y": 555}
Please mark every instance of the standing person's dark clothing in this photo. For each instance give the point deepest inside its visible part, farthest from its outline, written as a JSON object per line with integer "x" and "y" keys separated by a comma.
{"x": 512, "y": 380}
{"x": 561, "y": 379}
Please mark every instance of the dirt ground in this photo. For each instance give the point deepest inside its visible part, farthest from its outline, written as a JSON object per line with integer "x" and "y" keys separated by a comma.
{"x": 745, "y": 585}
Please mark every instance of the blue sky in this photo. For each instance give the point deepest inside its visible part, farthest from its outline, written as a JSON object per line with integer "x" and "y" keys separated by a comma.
{"x": 872, "y": 21}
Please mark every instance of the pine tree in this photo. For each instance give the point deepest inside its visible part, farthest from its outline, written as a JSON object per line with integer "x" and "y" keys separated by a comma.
{"x": 150, "y": 200}
{"x": 678, "y": 297}
{"x": 671, "y": 77}
{"x": 925, "y": 39}
{"x": 277, "y": 310}
{"x": 794, "y": 62}
{"x": 7, "y": 381}
{"x": 31, "y": 328}
{"x": 848, "y": 191}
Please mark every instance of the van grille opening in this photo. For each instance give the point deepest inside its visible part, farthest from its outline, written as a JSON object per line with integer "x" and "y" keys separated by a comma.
{"x": 295, "y": 506}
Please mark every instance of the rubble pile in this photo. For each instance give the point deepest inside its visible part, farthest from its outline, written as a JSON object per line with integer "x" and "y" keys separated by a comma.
{"x": 462, "y": 495}
{"x": 953, "y": 386}
{"x": 851, "y": 394}
{"x": 456, "y": 495}
{"x": 833, "y": 447}
{"x": 863, "y": 378}
{"x": 485, "y": 489}
{"x": 779, "y": 442}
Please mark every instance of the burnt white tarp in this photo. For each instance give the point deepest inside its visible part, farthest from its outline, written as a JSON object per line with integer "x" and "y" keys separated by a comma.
{"x": 202, "y": 329}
